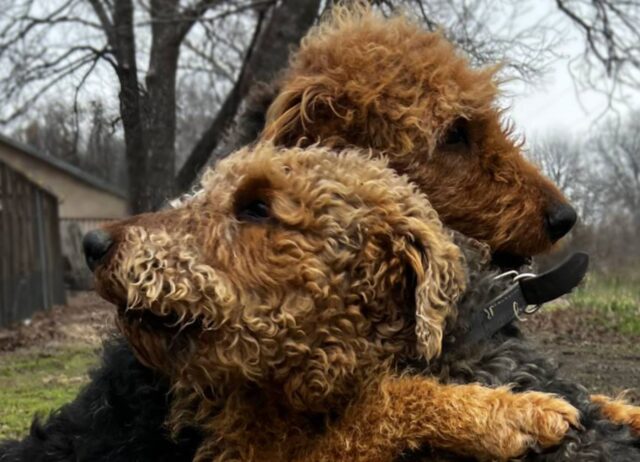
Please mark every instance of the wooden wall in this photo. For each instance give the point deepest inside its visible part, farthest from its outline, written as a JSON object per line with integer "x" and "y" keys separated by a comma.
{"x": 31, "y": 269}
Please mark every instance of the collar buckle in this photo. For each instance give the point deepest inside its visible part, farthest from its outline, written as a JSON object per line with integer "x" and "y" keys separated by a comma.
{"x": 526, "y": 295}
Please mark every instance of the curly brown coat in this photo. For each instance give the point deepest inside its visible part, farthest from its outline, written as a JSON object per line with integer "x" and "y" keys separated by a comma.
{"x": 361, "y": 80}
{"x": 280, "y": 298}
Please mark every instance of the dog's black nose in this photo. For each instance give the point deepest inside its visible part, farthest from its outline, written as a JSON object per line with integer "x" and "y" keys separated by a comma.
{"x": 96, "y": 244}
{"x": 560, "y": 220}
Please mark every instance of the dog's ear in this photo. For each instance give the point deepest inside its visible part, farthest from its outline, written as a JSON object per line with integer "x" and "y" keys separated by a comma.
{"x": 436, "y": 278}
{"x": 304, "y": 112}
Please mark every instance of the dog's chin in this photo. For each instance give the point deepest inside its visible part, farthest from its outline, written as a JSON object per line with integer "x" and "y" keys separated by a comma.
{"x": 507, "y": 261}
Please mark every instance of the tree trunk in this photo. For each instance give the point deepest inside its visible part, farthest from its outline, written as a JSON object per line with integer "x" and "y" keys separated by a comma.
{"x": 159, "y": 176}
{"x": 149, "y": 118}
{"x": 122, "y": 33}
{"x": 287, "y": 24}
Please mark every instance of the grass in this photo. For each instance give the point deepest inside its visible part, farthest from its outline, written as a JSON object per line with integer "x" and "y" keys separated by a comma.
{"x": 36, "y": 382}
{"x": 615, "y": 296}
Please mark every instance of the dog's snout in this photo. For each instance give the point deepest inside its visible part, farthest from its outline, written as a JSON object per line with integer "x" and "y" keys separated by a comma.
{"x": 560, "y": 219}
{"x": 96, "y": 244}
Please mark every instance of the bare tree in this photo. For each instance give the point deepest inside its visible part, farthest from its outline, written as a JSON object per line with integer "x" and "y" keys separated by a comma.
{"x": 153, "y": 47}
{"x": 115, "y": 32}
{"x": 559, "y": 156}
{"x": 53, "y": 132}
{"x": 149, "y": 117}
{"x": 103, "y": 150}
{"x": 618, "y": 147}
{"x": 88, "y": 141}
{"x": 268, "y": 53}
{"x": 611, "y": 30}
{"x": 601, "y": 177}
{"x": 570, "y": 164}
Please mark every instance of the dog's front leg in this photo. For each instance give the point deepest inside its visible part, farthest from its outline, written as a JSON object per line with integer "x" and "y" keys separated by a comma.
{"x": 408, "y": 412}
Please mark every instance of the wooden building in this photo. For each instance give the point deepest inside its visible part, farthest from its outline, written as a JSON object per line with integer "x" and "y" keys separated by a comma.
{"x": 84, "y": 201}
{"x": 31, "y": 268}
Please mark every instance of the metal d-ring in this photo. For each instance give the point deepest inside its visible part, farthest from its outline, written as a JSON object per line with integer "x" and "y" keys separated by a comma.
{"x": 512, "y": 273}
{"x": 531, "y": 309}
{"x": 528, "y": 310}
{"x": 516, "y": 314}
{"x": 524, "y": 276}
{"x": 518, "y": 277}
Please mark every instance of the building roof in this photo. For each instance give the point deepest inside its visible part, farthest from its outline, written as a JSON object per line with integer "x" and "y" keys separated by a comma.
{"x": 65, "y": 167}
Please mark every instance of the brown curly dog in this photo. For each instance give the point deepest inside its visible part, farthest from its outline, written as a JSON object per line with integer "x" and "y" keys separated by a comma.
{"x": 362, "y": 80}
{"x": 359, "y": 79}
{"x": 279, "y": 299}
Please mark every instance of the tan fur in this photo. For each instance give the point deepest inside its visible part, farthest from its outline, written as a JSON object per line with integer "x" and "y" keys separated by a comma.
{"x": 275, "y": 328}
{"x": 619, "y": 411}
{"x": 473, "y": 420}
{"x": 359, "y": 79}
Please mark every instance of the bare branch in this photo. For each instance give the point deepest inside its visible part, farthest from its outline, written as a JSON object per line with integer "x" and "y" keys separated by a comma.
{"x": 105, "y": 21}
{"x": 68, "y": 70}
{"x": 268, "y": 53}
{"x": 214, "y": 133}
{"x": 612, "y": 36}
{"x": 32, "y": 22}
{"x": 191, "y": 15}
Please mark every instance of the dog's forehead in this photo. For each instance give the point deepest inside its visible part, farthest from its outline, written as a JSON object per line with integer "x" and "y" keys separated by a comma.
{"x": 297, "y": 170}
{"x": 346, "y": 184}
{"x": 369, "y": 54}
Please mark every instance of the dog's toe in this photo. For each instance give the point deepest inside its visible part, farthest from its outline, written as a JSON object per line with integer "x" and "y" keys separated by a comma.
{"x": 547, "y": 418}
{"x": 527, "y": 420}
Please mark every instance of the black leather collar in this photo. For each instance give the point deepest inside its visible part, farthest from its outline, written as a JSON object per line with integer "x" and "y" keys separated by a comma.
{"x": 525, "y": 297}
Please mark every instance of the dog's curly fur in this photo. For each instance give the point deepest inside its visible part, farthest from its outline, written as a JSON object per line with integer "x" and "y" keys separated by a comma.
{"x": 212, "y": 257}
{"x": 335, "y": 92}
{"x": 280, "y": 299}
{"x": 96, "y": 425}
{"x": 119, "y": 416}
{"x": 508, "y": 358}
{"x": 359, "y": 79}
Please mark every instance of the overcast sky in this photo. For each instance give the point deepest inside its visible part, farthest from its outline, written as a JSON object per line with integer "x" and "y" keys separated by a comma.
{"x": 556, "y": 103}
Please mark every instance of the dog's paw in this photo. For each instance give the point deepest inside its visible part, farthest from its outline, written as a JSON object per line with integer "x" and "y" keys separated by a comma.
{"x": 530, "y": 419}
{"x": 619, "y": 411}
{"x": 546, "y": 418}
{"x": 632, "y": 419}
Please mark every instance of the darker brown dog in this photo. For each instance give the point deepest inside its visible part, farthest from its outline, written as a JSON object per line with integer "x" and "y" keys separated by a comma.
{"x": 359, "y": 79}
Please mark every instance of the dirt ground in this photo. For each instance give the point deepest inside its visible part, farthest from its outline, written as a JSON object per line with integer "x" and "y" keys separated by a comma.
{"x": 85, "y": 320}
{"x": 589, "y": 351}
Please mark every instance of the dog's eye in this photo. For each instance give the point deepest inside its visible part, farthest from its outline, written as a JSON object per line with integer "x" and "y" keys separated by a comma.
{"x": 457, "y": 134}
{"x": 254, "y": 211}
